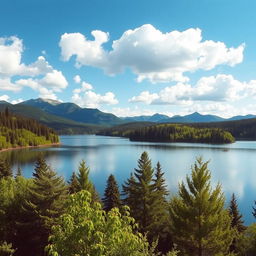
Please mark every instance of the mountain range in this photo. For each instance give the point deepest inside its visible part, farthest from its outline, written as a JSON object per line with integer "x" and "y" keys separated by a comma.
{"x": 70, "y": 118}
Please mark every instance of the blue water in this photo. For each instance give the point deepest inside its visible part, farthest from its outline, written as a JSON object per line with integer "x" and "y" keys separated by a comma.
{"x": 233, "y": 165}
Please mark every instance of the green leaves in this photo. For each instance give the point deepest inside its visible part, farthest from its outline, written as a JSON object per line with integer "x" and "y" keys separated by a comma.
{"x": 86, "y": 229}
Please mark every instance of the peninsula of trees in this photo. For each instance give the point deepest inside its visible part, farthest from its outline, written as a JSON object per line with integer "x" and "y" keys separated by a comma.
{"x": 17, "y": 131}
{"x": 172, "y": 133}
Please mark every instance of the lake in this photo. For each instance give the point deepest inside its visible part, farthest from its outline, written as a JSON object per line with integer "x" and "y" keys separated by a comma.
{"x": 233, "y": 165}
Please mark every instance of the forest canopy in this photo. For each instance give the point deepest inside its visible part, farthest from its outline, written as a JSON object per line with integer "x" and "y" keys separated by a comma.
{"x": 173, "y": 133}
{"x": 17, "y": 131}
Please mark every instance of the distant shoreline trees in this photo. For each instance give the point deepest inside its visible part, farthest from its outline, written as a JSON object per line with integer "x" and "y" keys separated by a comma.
{"x": 17, "y": 131}
{"x": 173, "y": 133}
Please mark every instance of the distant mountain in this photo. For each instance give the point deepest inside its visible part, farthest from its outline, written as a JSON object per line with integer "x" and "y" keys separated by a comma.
{"x": 154, "y": 118}
{"x": 74, "y": 112}
{"x": 70, "y": 118}
{"x": 194, "y": 118}
{"x": 191, "y": 118}
{"x": 61, "y": 125}
{"x": 234, "y": 118}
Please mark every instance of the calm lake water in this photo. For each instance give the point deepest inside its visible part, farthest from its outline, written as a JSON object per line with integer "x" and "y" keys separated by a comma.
{"x": 233, "y": 165}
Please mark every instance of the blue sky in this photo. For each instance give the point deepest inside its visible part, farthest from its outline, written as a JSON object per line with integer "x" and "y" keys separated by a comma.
{"x": 131, "y": 57}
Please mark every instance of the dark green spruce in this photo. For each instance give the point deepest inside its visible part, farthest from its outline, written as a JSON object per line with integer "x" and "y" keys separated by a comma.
{"x": 146, "y": 198}
{"x": 237, "y": 222}
{"x": 111, "y": 197}
{"x": 73, "y": 184}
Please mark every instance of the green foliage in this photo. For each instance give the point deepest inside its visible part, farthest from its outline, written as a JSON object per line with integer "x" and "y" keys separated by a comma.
{"x": 46, "y": 202}
{"x": 13, "y": 192}
{"x": 84, "y": 182}
{"x": 246, "y": 242}
{"x": 86, "y": 229}
{"x": 5, "y": 169}
{"x": 111, "y": 195}
{"x": 73, "y": 184}
{"x": 139, "y": 193}
{"x": 146, "y": 198}
{"x": 181, "y": 133}
{"x": 199, "y": 223}
{"x": 17, "y": 131}
{"x": 171, "y": 133}
{"x": 161, "y": 222}
{"x": 6, "y": 249}
{"x": 237, "y": 222}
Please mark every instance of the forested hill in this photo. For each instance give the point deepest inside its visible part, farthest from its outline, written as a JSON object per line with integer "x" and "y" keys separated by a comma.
{"x": 173, "y": 133}
{"x": 17, "y": 131}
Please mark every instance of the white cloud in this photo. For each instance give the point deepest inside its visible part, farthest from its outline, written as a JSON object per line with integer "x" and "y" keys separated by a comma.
{"x": 145, "y": 97}
{"x": 150, "y": 53}
{"x": 77, "y": 79}
{"x": 39, "y": 75}
{"x": 220, "y": 88}
{"x": 4, "y": 97}
{"x": 85, "y": 97}
{"x": 54, "y": 81}
{"x": 11, "y": 50}
{"x": 7, "y": 98}
{"x": 7, "y": 85}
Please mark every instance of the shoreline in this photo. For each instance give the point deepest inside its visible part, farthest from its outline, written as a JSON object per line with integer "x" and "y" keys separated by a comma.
{"x": 24, "y": 147}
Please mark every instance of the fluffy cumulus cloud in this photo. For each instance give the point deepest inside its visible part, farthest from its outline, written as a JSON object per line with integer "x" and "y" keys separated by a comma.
{"x": 220, "y": 88}
{"x": 15, "y": 75}
{"x": 150, "y": 53}
{"x": 84, "y": 96}
{"x": 90, "y": 99}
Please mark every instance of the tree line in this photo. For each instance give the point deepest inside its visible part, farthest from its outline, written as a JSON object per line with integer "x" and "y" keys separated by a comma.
{"x": 45, "y": 215}
{"x": 173, "y": 133}
{"x": 17, "y": 131}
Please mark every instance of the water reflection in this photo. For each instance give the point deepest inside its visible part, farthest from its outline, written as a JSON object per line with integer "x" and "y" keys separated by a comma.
{"x": 233, "y": 165}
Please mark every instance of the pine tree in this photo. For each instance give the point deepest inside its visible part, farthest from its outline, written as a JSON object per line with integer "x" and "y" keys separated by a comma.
{"x": 129, "y": 194}
{"x": 5, "y": 169}
{"x": 236, "y": 222}
{"x": 111, "y": 196}
{"x": 73, "y": 184}
{"x": 160, "y": 226}
{"x": 141, "y": 196}
{"x": 199, "y": 222}
{"x": 46, "y": 202}
{"x": 40, "y": 166}
{"x": 85, "y": 183}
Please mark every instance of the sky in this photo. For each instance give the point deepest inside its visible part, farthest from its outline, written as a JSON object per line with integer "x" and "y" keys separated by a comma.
{"x": 131, "y": 58}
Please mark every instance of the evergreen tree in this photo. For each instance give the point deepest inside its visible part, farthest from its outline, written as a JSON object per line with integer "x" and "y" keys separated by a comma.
{"x": 84, "y": 182}
{"x": 129, "y": 194}
{"x": 73, "y": 184}
{"x": 236, "y": 222}
{"x": 111, "y": 195}
{"x": 199, "y": 222}
{"x": 40, "y": 166}
{"x": 46, "y": 202}
{"x": 19, "y": 172}
{"x": 141, "y": 197}
{"x": 5, "y": 169}
{"x": 160, "y": 226}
